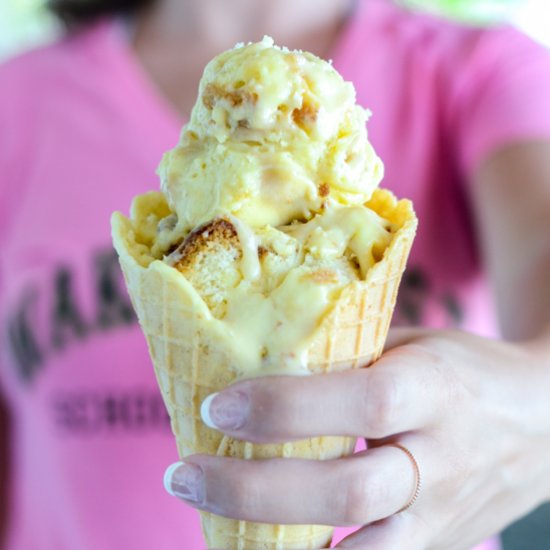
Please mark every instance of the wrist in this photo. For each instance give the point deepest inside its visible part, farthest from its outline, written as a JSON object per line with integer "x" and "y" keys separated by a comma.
{"x": 536, "y": 404}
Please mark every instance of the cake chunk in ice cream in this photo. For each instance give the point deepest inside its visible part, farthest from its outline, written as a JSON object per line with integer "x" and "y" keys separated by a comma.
{"x": 274, "y": 136}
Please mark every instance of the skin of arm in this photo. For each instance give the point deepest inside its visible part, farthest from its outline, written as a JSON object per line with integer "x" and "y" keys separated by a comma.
{"x": 474, "y": 411}
{"x": 511, "y": 196}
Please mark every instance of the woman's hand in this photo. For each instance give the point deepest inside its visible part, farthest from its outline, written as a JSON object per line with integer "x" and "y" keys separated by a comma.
{"x": 474, "y": 413}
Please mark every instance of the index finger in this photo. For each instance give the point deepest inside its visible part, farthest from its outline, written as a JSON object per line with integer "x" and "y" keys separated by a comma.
{"x": 401, "y": 392}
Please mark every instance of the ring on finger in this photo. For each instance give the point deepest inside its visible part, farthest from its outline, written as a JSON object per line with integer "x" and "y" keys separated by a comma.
{"x": 418, "y": 477}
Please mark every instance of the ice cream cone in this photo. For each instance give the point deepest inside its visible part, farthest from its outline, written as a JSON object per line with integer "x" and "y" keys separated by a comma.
{"x": 193, "y": 357}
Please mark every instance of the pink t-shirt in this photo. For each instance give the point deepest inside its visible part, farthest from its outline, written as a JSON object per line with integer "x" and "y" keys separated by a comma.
{"x": 82, "y": 130}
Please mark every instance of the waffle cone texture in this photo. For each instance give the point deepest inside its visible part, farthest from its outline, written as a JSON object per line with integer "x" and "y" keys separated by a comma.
{"x": 193, "y": 357}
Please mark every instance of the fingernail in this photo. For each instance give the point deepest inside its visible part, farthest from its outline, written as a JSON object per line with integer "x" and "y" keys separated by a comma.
{"x": 185, "y": 481}
{"x": 227, "y": 410}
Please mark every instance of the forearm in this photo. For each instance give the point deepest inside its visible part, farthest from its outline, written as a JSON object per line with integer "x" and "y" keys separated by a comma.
{"x": 524, "y": 301}
{"x": 535, "y": 401}
{"x": 511, "y": 199}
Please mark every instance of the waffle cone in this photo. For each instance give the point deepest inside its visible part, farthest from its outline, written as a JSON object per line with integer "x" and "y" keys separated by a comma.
{"x": 192, "y": 358}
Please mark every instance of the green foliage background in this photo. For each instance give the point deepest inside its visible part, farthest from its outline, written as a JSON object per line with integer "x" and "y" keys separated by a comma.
{"x": 469, "y": 10}
{"x": 23, "y": 23}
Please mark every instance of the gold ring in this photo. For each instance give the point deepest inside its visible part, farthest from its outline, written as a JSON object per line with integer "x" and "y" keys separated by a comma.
{"x": 418, "y": 478}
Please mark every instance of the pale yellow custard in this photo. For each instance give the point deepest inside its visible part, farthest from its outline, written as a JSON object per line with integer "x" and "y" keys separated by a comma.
{"x": 263, "y": 204}
{"x": 274, "y": 136}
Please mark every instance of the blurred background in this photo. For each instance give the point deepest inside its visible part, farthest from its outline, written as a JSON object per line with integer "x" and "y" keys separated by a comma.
{"x": 26, "y": 23}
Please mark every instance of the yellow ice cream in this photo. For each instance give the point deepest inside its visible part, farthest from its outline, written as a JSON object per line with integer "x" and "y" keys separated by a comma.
{"x": 274, "y": 135}
{"x": 266, "y": 194}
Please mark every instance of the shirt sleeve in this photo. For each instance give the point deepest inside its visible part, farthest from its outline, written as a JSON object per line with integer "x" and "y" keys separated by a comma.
{"x": 503, "y": 96}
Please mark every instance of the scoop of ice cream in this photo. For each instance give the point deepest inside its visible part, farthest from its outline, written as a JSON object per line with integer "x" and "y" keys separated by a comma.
{"x": 274, "y": 137}
{"x": 267, "y": 93}
{"x": 301, "y": 271}
{"x": 270, "y": 287}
